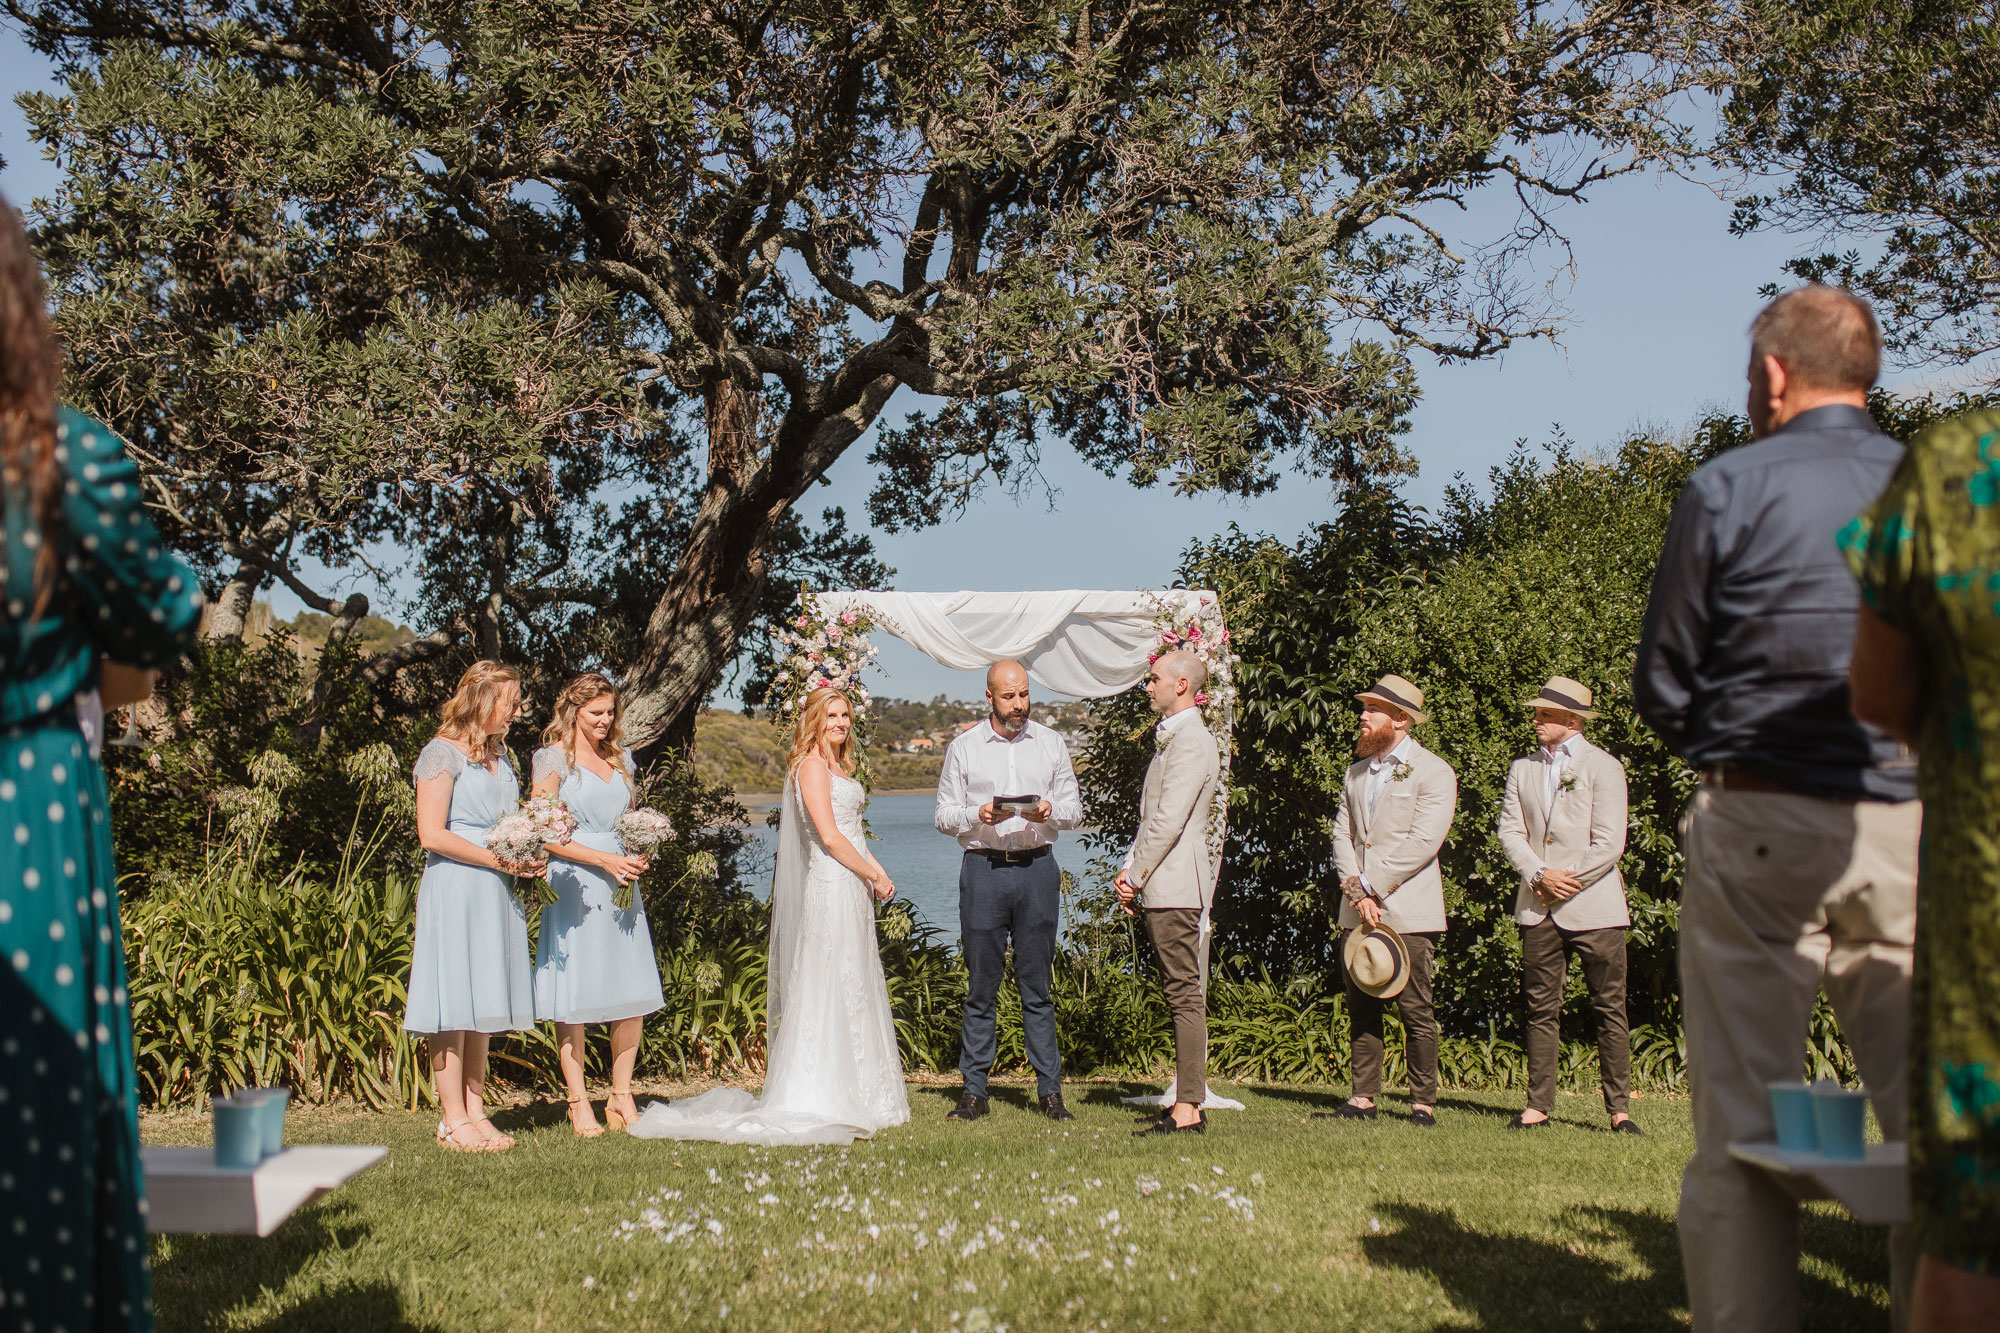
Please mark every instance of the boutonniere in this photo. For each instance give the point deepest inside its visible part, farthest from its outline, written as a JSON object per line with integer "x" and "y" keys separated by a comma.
{"x": 1401, "y": 771}
{"x": 1162, "y": 739}
{"x": 1567, "y": 782}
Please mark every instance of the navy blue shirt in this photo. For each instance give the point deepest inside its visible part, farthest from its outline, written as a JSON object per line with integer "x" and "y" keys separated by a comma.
{"x": 1751, "y": 622}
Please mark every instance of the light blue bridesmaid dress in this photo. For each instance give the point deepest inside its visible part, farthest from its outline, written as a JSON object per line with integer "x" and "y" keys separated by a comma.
{"x": 470, "y": 970}
{"x": 594, "y": 963}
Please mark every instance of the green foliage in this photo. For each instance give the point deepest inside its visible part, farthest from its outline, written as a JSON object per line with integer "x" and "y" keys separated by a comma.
{"x": 1869, "y": 127}
{"x": 446, "y": 277}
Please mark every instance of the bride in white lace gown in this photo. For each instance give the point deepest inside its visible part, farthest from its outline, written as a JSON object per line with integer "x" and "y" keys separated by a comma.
{"x": 832, "y": 1072}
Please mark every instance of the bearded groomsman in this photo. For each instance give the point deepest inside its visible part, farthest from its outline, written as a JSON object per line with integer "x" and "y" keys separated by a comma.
{"x": 1395, "y": 809}
{"x": 1171, "y": 869}
{"x": 1562, "y": 825}
{"x": 1009, "y": 888}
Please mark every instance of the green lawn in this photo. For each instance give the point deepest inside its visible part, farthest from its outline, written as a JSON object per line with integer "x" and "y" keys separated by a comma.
{"x": 1271, "y": 1220}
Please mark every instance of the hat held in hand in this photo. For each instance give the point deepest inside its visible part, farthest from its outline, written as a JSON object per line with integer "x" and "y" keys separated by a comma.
{"x": 1377, "y": 961}
{"x": 1398, "y": 694}
{"x": 1565, "y": 696}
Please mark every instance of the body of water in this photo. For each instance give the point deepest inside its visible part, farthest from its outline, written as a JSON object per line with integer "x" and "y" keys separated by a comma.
{"x": 923, "y": 862}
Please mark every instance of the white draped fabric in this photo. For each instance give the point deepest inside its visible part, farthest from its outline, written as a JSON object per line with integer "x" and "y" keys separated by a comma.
{"x": 1087, "y": 644}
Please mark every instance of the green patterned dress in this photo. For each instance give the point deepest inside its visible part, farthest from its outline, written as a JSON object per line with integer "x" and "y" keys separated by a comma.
{"x": 72, "y": 1203}
{"x": 1928, "y": 557}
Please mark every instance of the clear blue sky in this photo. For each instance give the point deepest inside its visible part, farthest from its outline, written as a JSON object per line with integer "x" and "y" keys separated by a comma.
{"x": 1659, "y": 306}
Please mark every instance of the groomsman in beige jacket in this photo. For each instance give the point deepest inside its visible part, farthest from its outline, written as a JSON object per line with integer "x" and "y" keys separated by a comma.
{"x": 1562, "y": 825}
{"x": 1172, "y": 870}
{"x": 1395, "y": 809}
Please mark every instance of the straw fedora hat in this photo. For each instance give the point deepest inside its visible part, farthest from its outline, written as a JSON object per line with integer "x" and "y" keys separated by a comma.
{"x": 1376, "y": 961}
{"x": 1398, "y": 694}
{"x": 1565, "y": 695}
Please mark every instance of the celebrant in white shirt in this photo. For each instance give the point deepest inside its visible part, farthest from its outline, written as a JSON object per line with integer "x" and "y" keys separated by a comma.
{"x": 1009, "y": 886}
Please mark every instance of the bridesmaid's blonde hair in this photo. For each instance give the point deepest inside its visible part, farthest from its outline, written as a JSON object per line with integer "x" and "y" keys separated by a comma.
{"x": 811, "y": 730}
{"x": 463, "y": 717}
{"x": 561, "y": 732}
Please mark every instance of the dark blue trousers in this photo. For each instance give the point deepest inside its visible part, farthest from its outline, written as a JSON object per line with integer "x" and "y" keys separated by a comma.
{"x": 997, "y": 903}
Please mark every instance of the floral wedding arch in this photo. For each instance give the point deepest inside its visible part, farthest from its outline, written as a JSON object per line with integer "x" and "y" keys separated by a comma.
{"x": 1086, "y": 644}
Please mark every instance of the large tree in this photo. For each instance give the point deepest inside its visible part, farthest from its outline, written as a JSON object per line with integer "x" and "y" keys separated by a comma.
{"x": 1874, "y": 127}
{"x": 452, "y": 279}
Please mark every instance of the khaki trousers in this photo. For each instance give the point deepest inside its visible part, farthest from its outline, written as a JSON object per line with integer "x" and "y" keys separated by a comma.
{"x": 1176, "y": 936}
{"x": 1545, "y": 951}
{"x": 1783, "y": 894}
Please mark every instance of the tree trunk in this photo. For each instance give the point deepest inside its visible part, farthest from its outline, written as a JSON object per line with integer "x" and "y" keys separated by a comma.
{"x": 227, "y": 614}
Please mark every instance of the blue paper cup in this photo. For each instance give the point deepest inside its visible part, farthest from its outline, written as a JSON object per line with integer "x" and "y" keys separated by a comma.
{"x": 1792, "y": 1112}
{"x": 276, "y": 1099}
{"x": 239, "y": 1132}
{"x": 1841, "y": 1117}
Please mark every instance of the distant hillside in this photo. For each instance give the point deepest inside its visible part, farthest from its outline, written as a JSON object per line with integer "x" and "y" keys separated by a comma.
{"x": 748, "y": 753}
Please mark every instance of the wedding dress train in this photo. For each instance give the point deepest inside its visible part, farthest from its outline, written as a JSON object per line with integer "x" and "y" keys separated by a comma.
{"x": 832, "y": 1071}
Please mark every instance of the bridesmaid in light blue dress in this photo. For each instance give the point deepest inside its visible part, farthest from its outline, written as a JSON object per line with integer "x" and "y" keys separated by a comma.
{"x": 594, "y": 963}
{"x": 470, "y": 974}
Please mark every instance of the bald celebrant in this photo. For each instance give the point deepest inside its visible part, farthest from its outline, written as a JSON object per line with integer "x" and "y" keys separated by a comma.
{"x": 1009, "y": 886}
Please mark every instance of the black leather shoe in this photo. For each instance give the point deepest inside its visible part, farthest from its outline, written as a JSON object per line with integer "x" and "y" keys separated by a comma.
{"x": 1348, "y": 1111}
{"x": 1423, "y": 1120}
{"x": 1053, "y": 1108}
{"x": 969, "y": 1108}
{"x": 1165, "y": 1125}
{"x": 1627, "y": 1127}
{"x": 1518, "y": 1123}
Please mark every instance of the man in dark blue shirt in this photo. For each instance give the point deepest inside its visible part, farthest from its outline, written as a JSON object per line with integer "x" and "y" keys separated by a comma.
{"x": 1801, "y": 844}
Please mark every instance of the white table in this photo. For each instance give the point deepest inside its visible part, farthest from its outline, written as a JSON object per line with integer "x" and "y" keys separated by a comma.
{"x": 186, "y": 1191}
{"x": 1876, "y": 1190}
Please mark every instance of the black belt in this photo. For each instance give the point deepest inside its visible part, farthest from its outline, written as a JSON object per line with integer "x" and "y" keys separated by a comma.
{"x": 997, "y": 858}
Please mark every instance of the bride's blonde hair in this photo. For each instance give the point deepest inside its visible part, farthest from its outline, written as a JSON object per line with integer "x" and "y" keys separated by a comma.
{"x": 464, "y": 715}
{"x": 561, "y": 733}
{"x": 811, "y": 730}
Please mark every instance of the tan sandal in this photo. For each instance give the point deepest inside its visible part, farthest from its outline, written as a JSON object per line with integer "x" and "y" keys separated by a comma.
{"x": 450, "y": 1144}
{"x": 595, "y": 1130}
{"x": 615, "y": 1117}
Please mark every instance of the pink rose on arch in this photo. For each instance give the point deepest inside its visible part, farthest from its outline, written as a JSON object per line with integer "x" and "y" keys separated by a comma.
{"x": 800, "y": 622}
{"x": 848, "y": 617}
{"x": 1152, "y": 658}
{"x": 1201, "y": 700}
{"x": 1225, "y": 636}
{"x": 1194, "y": 633}
{"x": 1169, "y": 636}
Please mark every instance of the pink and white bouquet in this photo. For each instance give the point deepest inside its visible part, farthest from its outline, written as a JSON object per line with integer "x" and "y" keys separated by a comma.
{"x": 641, "y": 832}
{"x": 523, "y": 833}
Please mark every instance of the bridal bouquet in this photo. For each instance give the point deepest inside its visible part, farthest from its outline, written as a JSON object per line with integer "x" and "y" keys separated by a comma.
{"x": 641, "y": 832}
{"x": 522, "y": 833}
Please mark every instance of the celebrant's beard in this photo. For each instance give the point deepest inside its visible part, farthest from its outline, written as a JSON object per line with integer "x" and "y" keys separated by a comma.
{"x": 1013, "y": 728}
{"x": 1371, "y": 743}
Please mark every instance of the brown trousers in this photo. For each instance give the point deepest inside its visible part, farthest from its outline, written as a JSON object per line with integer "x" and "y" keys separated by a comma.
{"x": 1545, "y": 953}
{"x": 1420, "y": 1028}
{"x": 1176, "y": 936}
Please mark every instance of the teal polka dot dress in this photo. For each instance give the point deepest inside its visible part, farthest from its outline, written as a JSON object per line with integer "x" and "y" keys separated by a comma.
{"x": 72, "y": 1202}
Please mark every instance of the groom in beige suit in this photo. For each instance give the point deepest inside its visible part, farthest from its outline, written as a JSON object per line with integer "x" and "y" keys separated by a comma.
{"x": 1172, "y": 870}
{"x": 1562, "y": 826}
{"x": 1395, "y": 809}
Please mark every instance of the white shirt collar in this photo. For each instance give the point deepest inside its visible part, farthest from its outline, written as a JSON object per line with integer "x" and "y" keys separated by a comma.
{"x": 1396, "y": 754}
{"x": 994, "y": 734}
{"x": 1567, "y": 750}
{"x": 1187, "y": 717}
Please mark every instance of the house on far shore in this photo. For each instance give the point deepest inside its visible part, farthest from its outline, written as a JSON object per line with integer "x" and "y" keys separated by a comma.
{"x": 964, "y": 727}
{"x": 919, "y": 743}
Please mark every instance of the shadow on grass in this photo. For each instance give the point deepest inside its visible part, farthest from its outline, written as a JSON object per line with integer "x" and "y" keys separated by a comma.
{"x": 205, "y": 1277}
{"x": 543, "y": 1113}
{"x": 1612, "y": 1268}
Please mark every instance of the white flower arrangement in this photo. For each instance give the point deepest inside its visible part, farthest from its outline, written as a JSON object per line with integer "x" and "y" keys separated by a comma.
{"x": 641, "y": 832}
{"x": 520, "y": 835}
{"x": 818, "y": 651}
